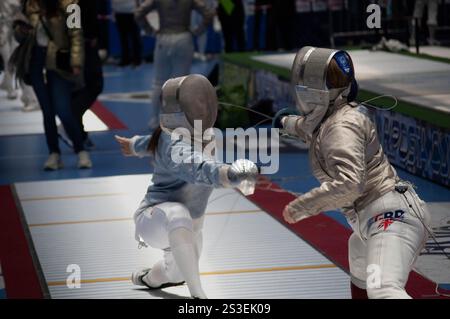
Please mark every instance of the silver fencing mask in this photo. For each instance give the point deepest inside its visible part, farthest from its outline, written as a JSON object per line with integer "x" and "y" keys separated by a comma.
{"x": 309, "y": 77}
{"x": 185, "y": 100}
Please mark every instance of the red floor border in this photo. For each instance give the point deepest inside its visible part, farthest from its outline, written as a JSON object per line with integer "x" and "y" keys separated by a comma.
{"x": 19, "y": 271}
{"x": 329, "y": 237}
{"x": 107, "y": 116}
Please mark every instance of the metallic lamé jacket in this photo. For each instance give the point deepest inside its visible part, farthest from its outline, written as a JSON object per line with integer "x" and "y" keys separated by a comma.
{"x": 63, "y": 38}
{"x": 348, "y": 160}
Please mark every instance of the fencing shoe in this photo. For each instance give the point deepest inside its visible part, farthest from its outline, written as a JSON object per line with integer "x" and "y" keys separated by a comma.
{"x": 140, "y": 278}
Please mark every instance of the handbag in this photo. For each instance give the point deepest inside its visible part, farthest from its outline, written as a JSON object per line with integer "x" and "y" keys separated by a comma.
{"x": 62, "y": 55}
{"x": 19, "y": 62}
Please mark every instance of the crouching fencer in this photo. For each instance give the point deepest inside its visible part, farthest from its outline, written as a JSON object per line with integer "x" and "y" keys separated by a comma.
{"x": 170, "y": 217}
{"x": 390, "y": 222}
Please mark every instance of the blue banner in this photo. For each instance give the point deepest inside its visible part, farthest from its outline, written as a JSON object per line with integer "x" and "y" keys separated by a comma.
{"x": 415, "y": 146}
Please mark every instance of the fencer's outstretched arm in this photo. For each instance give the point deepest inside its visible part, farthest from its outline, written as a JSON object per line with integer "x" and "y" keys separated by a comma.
{"x": 343, "y": 148}
{"x": 207, "y": 15}
{"x": 141, "y": 13}
{"x": 196, "y": 168}
{"x": 191, "y": 165}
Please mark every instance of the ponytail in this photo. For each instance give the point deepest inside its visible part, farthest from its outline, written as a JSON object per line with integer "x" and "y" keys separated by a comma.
{"x": 153, "y": 144}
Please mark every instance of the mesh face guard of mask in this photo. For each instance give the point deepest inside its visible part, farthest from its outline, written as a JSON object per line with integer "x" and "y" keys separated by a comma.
{"x": 309, "y": 77}
{"x": 185, "y": 100}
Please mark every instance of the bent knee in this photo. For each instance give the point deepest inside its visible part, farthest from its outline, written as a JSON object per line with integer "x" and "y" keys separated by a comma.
{"x": 177, "y": 216}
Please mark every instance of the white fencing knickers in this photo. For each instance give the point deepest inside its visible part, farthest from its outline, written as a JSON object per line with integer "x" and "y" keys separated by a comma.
{"x": 172, "y": 58}
{"x": 154, "y": 226}
{"x": 386, "y": 240}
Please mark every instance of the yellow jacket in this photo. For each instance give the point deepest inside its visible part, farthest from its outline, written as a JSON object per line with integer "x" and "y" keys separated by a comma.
{"x": 63, "y": 38}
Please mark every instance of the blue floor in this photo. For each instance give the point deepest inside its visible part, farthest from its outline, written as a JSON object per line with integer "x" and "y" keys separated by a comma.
{"x": 22, "y": 157}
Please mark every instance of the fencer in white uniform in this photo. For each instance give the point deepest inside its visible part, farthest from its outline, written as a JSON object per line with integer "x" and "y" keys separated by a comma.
{"x": 390, "y": 222}
{"x": 170, "y": 217}
{"x": 8, "y": 11}
{"x": 174, "y": 48}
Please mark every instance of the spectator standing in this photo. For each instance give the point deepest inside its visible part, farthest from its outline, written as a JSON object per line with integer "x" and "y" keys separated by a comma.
{"x": 174, "y": 48}
{"x": 85, "y": 97}
{"x": 130, "y": 38}
{"x": 59, "y": 53}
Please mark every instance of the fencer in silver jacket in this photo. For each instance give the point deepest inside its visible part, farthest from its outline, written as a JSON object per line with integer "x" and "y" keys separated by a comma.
{"x": 347, "y": 159}
{"x": 345, "y": 153}
{"x": 390, "y": 222}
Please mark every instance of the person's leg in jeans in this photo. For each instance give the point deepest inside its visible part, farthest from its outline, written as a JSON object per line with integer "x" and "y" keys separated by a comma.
{"x": 43, "y": 96}
{"x": 84, "y": 98}
{"x": 61, "y": 98}
{"x": 122, "y": 27}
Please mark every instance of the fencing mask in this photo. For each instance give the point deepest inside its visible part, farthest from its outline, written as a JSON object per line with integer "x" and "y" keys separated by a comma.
{"x": 185, "y": 100}
{"x": 309, "y": 77}
{"x": 313, "y": 93}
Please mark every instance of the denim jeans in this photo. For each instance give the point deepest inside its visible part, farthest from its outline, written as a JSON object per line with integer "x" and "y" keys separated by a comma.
{"x": 85, "y": 97}
{"x": 54, "y": 94}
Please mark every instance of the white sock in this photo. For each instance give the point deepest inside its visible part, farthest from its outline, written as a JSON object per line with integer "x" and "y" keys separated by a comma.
{"x": 185, "y": 253}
